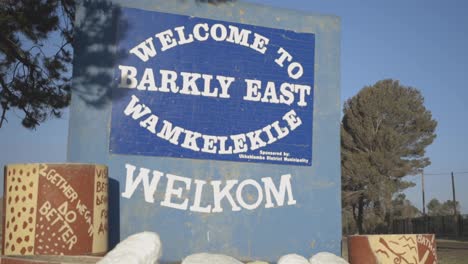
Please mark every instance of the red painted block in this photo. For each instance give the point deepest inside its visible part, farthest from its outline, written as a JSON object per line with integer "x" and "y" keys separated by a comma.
{"x": 55, "y": 209}
{"x": 392, "y": 249}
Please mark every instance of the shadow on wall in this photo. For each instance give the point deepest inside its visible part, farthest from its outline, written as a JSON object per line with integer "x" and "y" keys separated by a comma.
{"x": 98, "y": 26}
{"x": 95, "y": 51}
{"x": 114, "y": 213}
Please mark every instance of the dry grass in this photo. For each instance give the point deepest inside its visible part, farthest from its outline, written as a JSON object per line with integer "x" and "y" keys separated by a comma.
{"x": 452, "y": 251}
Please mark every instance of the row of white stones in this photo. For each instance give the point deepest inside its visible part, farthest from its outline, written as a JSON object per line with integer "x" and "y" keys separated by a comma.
{"x": 145, "y": 248}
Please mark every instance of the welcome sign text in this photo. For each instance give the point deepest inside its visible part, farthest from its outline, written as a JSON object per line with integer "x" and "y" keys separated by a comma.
{"x": 175, "y": 93}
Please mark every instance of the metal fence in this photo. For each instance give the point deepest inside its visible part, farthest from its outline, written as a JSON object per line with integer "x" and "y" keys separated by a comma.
{"x": 442, "y": 226}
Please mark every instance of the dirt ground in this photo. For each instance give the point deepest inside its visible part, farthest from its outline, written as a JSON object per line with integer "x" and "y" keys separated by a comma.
{"x": 452, "y": 251}
{"x": 448, "y": 251}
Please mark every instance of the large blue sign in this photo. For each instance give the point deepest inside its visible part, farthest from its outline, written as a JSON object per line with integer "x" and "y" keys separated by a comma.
{"x": 189, "y": 87}
{"x": 198, "y": 107}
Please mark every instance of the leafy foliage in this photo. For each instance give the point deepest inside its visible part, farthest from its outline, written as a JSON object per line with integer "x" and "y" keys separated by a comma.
{"x": 384, "y": 133}
{"x": 36, "y": 52}
{"x": 400, "y": 208}
{"x": 34, "y": 66}
{"x": 434, "y": 207}
{"x": 403, "y": 208}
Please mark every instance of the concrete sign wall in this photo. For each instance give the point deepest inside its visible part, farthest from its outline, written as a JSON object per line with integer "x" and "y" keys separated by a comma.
{"x": 220, "y": 124}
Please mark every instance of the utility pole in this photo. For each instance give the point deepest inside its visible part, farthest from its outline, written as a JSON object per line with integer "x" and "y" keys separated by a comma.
{"x": 426, "y": 228}
{"x": 423, "y": 195}
{"x": 454, "y": 206}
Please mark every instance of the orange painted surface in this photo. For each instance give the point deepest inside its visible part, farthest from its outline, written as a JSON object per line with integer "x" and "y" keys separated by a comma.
{"x": 55, "y": 209}
{"x": 392, "y": 249}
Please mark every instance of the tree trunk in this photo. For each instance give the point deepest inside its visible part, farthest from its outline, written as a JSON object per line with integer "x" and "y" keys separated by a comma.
{"x": 354, "y": 212}
{"x": 360, "y": 215}
{"x": 389, "y": 220}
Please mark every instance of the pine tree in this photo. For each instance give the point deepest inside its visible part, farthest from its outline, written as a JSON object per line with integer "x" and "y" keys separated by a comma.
{"x": 384, "y": 133}
{"x": 434, "y": 207}
{"x": 35, "y": 57}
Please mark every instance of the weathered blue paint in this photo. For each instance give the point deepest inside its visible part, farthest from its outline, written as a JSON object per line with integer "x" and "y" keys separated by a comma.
{"x": 312, "y": 224}
{"x": 259, "y": 91}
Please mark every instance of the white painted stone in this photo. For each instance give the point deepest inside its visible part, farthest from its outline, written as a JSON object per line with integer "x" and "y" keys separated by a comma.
{"x": 141, "y": 248}
{"x": 326, "y": 258}
{"x": 292, "y": 259}
{"x": 206, "y": 258}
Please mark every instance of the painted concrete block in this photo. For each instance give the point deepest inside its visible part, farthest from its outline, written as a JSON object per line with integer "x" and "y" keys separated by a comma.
{"x": 390, "y": 249}
{"x": 48, "y": 259}
{"x": 55, "y": 209}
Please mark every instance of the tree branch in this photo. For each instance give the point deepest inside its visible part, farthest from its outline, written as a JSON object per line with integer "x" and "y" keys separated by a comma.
{"x": 3, "y": 118}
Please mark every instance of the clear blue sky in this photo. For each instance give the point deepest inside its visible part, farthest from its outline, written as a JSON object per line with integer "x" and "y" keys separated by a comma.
{"x": 422, "y": 43}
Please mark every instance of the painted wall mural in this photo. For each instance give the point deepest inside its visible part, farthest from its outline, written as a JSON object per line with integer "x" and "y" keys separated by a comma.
{"x": 392, "y": 249}
{"x": 55, "y": 209}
